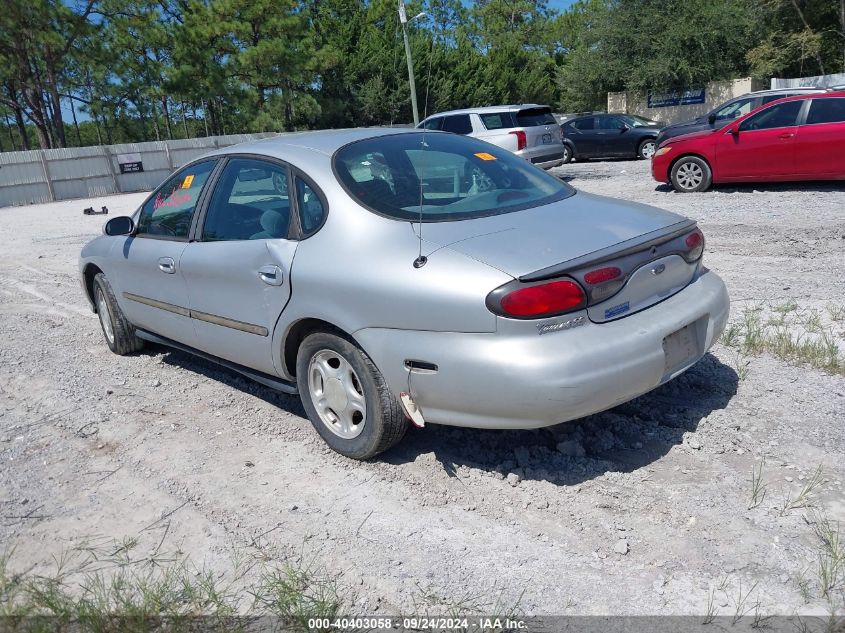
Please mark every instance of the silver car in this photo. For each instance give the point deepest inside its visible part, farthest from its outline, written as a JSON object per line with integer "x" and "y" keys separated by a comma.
{"x": 530, "y": 131}
{"x": 404, "y": 276}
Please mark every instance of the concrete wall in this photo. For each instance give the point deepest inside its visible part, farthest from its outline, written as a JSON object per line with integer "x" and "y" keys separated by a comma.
{"x": 715, "y": 92}
{"x": 820, "y": 81}
{"x": 84, "y": 172}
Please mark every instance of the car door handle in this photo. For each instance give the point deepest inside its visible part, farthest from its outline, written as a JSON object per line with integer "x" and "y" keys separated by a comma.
{"x": 167, "y": 265}
{"x": 271, "y": 275}
{"x": 786, "y": 135}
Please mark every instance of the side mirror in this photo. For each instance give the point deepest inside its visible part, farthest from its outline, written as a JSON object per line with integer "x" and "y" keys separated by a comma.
{"x": 711, "y": 119}
{"x": 624, "y": 127}
{"x": 121, "y": 225}
{"x": 733, "y": 130}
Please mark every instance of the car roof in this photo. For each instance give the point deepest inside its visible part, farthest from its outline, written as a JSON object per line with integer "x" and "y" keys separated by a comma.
{"x": 776, "y": 90}
{"x": 325, "y": 142}
{"x": 801, "y": 97}
{"x": 485, "y": 109}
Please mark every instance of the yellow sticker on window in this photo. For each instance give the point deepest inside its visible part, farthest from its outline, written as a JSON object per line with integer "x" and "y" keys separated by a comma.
{"x": 186, "y": 184}
{"x": 485, "y": 156}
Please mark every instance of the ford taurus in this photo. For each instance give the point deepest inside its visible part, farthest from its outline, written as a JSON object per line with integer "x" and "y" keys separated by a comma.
{"x": 394, "y": 276}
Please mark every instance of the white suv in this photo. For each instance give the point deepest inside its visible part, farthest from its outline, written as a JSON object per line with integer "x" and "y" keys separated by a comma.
{"x": 529, "y": 130}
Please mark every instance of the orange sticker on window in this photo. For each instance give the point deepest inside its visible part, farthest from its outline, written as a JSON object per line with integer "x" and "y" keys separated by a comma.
{"x": 186, "y": 184}
{"x": 485, "y": 156}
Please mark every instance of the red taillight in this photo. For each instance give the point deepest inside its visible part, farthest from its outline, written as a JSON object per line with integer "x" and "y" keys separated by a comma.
{"x": 695, "y": 245}
{"x": 554, "y": 297}
{"x": 600, "y": 275}
{"x": 521, "y": 141}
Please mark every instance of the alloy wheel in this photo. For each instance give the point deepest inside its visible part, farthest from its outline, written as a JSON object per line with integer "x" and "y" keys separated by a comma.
{"x": 648, "y": 149}
{"x": 690, "y": 176}
{"x": 337, "y": 394}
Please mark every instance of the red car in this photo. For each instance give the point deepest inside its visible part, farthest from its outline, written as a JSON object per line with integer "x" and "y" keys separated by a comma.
{"x": 797, "y": 138}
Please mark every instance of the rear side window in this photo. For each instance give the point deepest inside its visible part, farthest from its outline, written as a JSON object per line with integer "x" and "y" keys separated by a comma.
{"x": 826, "y": 111}
{"x": 441, "y": 177}
{"x": 311, "y": 209}
{"x": 168, "y": 213}
{"x": 457, "y": 124}
{"x": 532, "y": 117}
{"x": 497, "y": 120}
{"x": 585, "y": 124}
{"x": 781, "y": 115}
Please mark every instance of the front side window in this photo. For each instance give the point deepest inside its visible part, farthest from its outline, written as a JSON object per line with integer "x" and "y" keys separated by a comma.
{"x": 433, "y": 124}
{"x": 442, "y": 177}
{"x": 831, "y": 110}
{"x": 781, "y": 115}
{"x": 168, "y": 213}
{"x": 457, "y": 124}
{"x": 609, "y": 123}
{"x": 736, "y": 109}
{"x": 250, "y": 202}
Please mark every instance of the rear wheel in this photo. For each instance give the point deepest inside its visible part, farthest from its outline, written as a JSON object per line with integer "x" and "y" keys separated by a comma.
{"x": 567, "y": 153}
{"x": 691, "y": 174}
{"x": 119, "y": 333}
{"x": 346, "y": 397}
{"x": 647, "y": 148}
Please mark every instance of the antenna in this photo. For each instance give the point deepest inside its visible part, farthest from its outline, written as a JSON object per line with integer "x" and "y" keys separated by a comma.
{"x": 421, "y": 259}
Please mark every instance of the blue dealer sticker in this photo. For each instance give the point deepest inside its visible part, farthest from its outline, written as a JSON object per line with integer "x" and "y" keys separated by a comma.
{"x": 617, "y": 310}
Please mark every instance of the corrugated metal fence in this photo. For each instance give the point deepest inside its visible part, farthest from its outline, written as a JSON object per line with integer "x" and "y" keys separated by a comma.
{"x": 83, "y": 172}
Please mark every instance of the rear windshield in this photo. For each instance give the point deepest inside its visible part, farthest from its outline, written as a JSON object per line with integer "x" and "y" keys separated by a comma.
{"x": 441, "y": 177}
{"x": 531, "y": 117}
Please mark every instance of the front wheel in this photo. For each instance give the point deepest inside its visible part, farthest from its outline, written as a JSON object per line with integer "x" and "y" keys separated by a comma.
{"x": 691, "y": 174}
{"x": 346, "y": 398}
{"x": 567, "y": 153}
{"x": 647, "y": 148}
{"x": 119, "y": 333}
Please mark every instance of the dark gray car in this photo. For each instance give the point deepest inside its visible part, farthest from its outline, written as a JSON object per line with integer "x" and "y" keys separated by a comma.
{"x": 723, "y": 114}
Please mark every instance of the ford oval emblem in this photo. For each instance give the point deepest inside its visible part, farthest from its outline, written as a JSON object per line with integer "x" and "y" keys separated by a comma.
{"x": 658, "y": 269}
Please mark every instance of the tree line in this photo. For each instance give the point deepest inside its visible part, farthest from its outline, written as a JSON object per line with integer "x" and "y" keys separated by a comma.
{"x": 84, "y": 72}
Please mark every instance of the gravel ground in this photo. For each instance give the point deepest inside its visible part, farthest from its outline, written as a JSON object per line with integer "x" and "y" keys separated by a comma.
{"x": 643, "y": 509}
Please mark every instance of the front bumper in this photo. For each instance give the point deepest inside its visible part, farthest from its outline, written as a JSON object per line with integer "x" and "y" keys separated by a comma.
{"x": 660, "y": 167}
{"x": 515, "y": 378}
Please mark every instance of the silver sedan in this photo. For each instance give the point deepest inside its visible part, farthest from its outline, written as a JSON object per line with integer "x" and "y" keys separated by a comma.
{"x": 396, "y": 277}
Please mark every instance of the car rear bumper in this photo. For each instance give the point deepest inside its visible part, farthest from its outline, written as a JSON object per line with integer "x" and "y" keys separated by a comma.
{"x": 544, "y": 156}
{"x": 516, "y": 378}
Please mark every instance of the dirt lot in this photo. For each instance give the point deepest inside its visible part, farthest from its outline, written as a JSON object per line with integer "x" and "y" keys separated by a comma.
{"x": 643, "y": 509}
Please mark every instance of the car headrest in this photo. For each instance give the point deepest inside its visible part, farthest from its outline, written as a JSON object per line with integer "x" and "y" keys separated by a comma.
{"x": 274, "y": 223}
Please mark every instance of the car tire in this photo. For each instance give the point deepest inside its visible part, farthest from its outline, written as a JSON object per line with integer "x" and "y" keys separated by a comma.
{"x": 567, "y": 153}
{"x": 371, "y": 421}
{"x": 690, "y": 174}
{"x": 647, "y": 148}
{"x": 118, "y": 332}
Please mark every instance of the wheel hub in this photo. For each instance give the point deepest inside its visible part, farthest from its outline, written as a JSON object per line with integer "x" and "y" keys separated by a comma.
{"x": 337, "y": 394}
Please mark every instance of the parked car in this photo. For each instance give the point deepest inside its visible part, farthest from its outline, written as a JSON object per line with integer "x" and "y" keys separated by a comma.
{"x": 797, "y": 138}
{"x": 730, "y": 111}
{"x": 385, "y": 274}
{"x": 530, "y": 131}
{"x": 611, "y": 135}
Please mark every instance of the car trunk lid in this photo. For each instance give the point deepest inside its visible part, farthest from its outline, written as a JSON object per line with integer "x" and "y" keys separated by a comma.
{"x": 578, "y": 235}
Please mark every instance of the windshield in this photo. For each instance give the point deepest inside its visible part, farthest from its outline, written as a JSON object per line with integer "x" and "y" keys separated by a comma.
{"x": 442, "y": 177}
